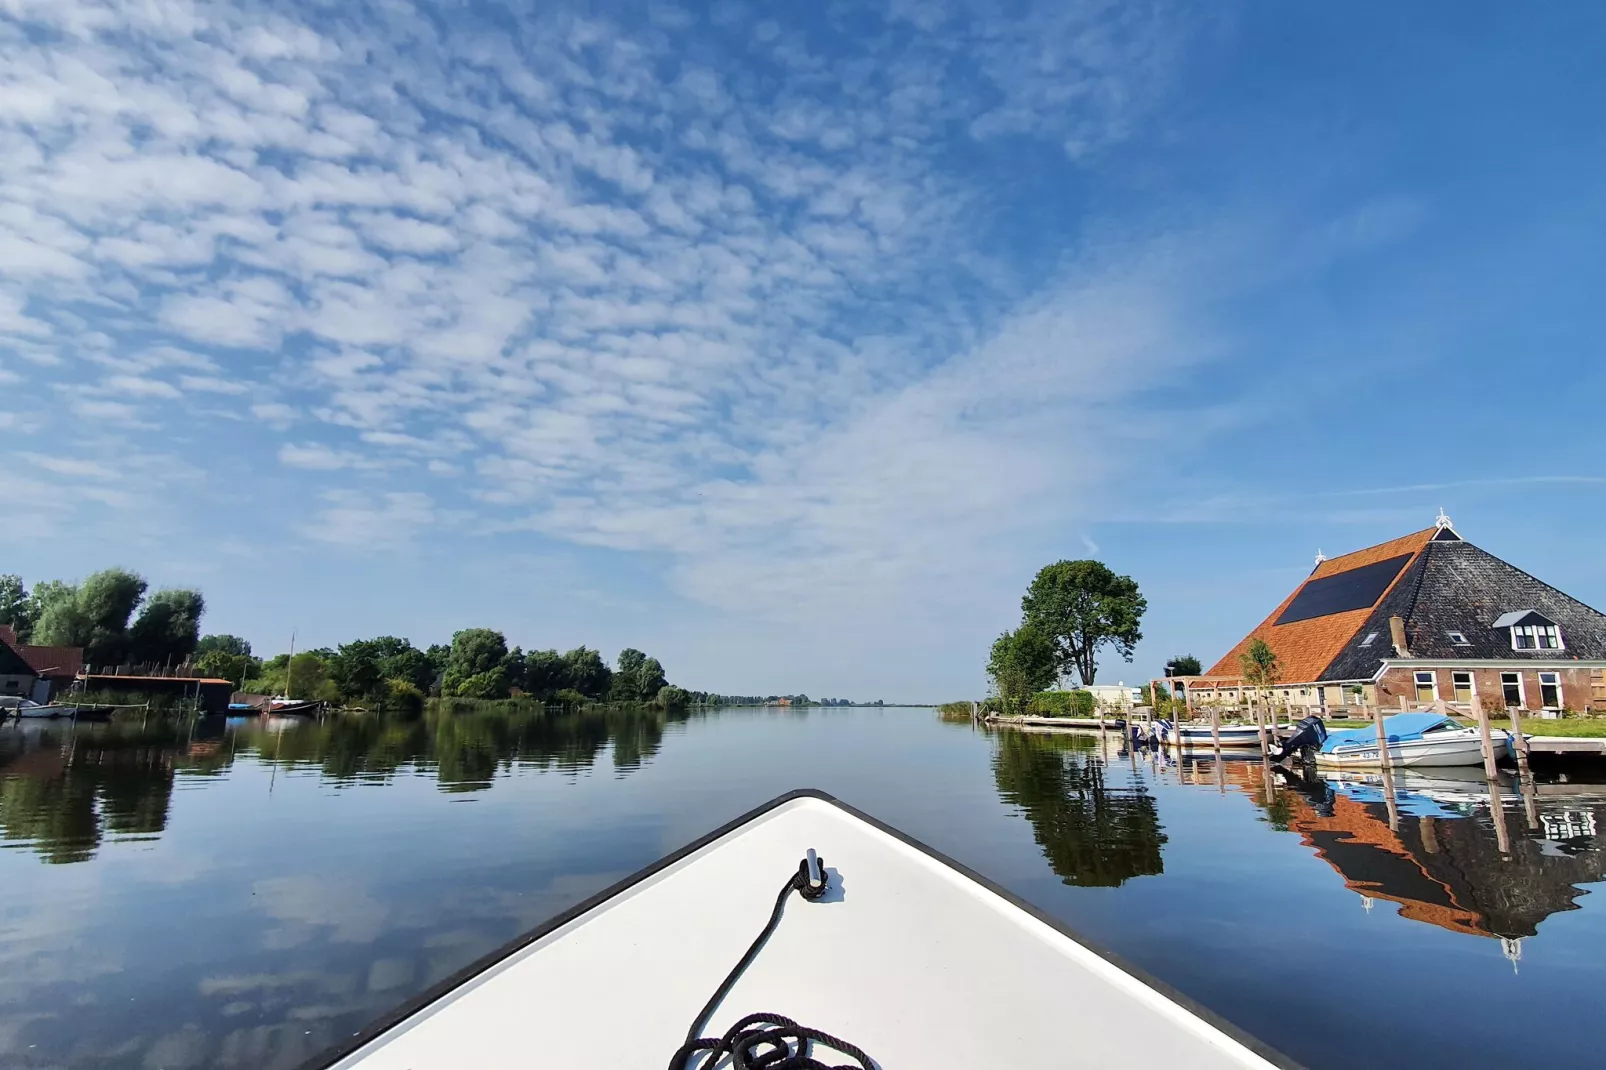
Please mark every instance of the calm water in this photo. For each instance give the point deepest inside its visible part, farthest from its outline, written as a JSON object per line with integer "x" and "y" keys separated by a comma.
{"x": 239, "y": 897}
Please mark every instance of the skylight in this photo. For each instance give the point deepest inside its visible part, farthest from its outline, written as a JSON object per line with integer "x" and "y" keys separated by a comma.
{"x": 1459, "y": 639}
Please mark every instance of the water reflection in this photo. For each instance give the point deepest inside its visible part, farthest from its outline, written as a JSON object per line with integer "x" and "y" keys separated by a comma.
{"x": 1092, "y": 833}
{"x": 1446, "y": 849}
{"x": 64, "y": 789}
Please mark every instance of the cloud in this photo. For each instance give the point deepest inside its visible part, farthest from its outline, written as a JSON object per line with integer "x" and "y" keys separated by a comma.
{"x": 351, "y": 518}
{"x": 275, "y": 414}
{"x": 718, "y": 291}
{"x": 211, "y": 384}
{"x": 319, "y": 458}
{"x": 70, "y": 466}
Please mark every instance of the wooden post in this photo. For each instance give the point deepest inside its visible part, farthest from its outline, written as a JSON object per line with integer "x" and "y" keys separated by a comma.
{"x": 1488, "y": 743}
{"x": 1497, "y": 811}
{"x": 1525, "y": 780}
{"x": 1519, "y": 744}
{"x": 1390, "y": 803}
{"x": 1215, "y": 729}
{"x": 1382, "y": 740}
{"x": 1530, "y": 799}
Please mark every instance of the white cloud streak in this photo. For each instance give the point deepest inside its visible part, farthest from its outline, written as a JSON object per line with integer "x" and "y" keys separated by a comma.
{"x": 711, "y": 290}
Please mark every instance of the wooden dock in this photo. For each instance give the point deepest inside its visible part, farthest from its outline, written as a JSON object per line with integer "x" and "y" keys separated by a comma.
{"x": 1566, "y": 745}
{"x": 1113, "y": 724}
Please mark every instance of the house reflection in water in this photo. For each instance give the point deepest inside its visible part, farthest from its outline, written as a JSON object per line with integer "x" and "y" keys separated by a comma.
{"x": 1442, "y": 864}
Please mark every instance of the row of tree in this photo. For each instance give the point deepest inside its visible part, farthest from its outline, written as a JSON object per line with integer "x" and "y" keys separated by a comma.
{"x": 99, "y": 616}
{"x": 478, "y": 664}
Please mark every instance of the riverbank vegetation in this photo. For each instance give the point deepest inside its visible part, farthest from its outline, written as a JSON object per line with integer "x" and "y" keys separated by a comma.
{"x": 121, "y": 629}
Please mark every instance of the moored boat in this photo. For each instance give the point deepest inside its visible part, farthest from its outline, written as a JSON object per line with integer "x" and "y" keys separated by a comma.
{"x": 1414, "y": 739}
{"x": 906, "y": 956}
{"x": 1197, "y": 735}
{"x": 43, "y": 711}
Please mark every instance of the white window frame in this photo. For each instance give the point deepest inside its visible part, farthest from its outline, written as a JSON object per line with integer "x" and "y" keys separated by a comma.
{"x": 1371, "y": 637}
{"x": 1416, "y": 681}
{"x": 1551, "y": 632}
{"x": 1555, "y": 681}
{"x": 1522, "y": 689}
{"x": 1458, "y": 638}
{"x": 1472, "y": 685}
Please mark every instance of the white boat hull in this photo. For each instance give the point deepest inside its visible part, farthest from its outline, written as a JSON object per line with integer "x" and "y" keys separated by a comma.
{"x": 908, "y": 956}
{"x": 46, "y": 712}
{"x": 1231, "y": 736}
{"x": 1457, "y": 749}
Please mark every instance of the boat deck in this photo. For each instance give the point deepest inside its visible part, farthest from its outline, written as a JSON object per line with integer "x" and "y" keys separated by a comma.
{"x": 906, "y": 956}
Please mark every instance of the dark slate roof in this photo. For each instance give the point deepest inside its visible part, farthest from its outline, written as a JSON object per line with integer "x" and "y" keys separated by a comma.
{"x": 12, "y": 663}
{"x": 1455, "y": 586}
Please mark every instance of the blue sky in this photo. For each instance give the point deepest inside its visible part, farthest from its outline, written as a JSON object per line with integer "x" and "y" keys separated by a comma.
{"x": 786, "y": 343}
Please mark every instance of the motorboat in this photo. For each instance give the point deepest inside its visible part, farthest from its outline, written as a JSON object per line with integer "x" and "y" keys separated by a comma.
{"x": 1198, "y": 735}
{"x": 802, "y": 930}
{"x": 1414, "y": 740}
{"x": 28, "y": 709}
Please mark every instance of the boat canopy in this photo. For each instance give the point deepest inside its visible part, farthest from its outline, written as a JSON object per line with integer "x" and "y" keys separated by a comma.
{"x": 1401, "y": 726}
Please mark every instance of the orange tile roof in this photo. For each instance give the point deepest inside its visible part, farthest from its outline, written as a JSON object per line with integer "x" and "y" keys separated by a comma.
{"x": 1305, "y": 647}
{"x": 55, "y": 661}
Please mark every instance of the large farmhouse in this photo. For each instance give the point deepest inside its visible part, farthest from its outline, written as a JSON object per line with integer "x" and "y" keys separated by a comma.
{"x": 1420, "y": 619}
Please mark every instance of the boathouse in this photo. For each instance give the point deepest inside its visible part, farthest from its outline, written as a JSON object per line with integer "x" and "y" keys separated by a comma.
{"x": 54, "y": 668}
{"x": 1423, "y": 619}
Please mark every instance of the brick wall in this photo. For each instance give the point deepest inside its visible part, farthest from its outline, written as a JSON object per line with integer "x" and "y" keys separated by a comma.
{"x": 1580, "y": 689}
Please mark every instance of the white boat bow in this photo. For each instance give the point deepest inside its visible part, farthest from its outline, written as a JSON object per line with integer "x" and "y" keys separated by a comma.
{"x": 908, "y": 955}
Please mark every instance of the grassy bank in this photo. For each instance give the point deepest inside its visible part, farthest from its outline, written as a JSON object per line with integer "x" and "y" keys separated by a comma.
{"x": 1571, "y": 727}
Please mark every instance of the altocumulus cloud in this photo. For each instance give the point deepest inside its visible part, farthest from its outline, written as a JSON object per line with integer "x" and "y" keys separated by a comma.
{"x": 697, "y": 283}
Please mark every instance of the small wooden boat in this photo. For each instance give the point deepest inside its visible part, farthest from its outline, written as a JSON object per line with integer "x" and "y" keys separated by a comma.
{"x": 1422, "y": 740}
{"x": 889, "y": 956}
{"x": 294, "y": 708}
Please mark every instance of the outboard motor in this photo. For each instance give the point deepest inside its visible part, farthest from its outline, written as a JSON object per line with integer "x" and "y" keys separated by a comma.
{"x": 1309, "y": 734}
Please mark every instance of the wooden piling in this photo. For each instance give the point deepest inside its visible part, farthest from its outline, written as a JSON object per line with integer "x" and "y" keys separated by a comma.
{"x": 1215, "y": 729}
{"x": 1488, "y": 743}
{"x": 1497, "y": 812}
{"x": 1519, "y": 744}
{"x": 1390, "y": 803}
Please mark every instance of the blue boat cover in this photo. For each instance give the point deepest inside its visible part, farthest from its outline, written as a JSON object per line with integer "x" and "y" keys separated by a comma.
{"x": 1401, "y": 726}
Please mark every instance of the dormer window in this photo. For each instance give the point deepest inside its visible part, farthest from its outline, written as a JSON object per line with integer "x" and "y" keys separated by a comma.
{"x": 1531, "y": 630}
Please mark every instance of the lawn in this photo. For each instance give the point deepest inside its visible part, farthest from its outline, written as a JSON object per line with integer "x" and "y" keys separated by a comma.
{"x": 1575, "y": 727}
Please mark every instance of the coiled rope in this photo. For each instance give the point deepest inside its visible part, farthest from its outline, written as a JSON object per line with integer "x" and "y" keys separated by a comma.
{"x": 766, "y": 1041}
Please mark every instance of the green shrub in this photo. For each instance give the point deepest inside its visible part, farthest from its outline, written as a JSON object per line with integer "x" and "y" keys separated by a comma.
{"x": 1062, "y": 704}
{"x": 404, "y": 698}
{"x": 570, "y": 697}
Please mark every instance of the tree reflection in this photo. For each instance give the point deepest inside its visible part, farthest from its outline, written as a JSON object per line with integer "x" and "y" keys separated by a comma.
{"x": 1091, "y": 834}
{"x": 63, "y": 789}
{"x": 64, "y": 793}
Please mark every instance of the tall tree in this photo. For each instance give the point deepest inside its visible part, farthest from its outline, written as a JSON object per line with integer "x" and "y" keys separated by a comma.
{"x": 16, "y": 609}
{"x": 588, "y": 673}
{"x": 545, "y": 673}
{"x": 168, "y": 628}
{"x": 228, "y": 644}
{"x": 1022, "y": 663}
{"x": 638, "y": 678}
{"x": 358, "y": 669}
{"x": 1081, "y": 606}
{"x": 1185, "y": 665}
{"x": 474, "y": 666}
